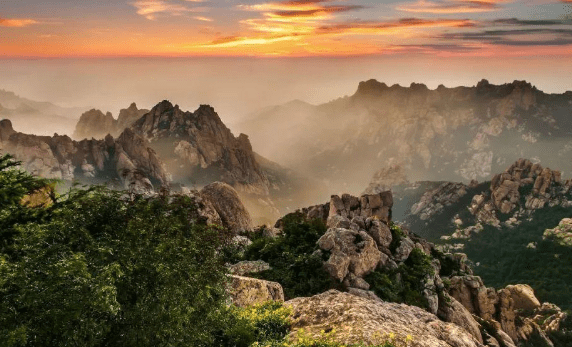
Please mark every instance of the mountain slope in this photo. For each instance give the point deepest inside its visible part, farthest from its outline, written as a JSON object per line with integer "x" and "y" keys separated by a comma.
{"x": 502, "y": 225}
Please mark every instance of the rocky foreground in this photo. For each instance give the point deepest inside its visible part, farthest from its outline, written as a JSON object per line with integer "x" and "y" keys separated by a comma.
{"x": 459, "y": 310}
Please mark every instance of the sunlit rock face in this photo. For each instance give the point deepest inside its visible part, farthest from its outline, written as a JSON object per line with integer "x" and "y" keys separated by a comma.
{"x": 453, "y": 134}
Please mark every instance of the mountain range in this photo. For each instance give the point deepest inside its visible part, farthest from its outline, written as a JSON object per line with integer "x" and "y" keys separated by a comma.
{"x": 453, "y": 134}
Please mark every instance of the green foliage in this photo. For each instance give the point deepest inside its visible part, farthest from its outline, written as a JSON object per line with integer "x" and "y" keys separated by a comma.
{"x": 504, "y": 257}
{"x": 294, "y": 257}
{"x": 97, "y": 269}
{"x": 406, "y": 283}
{"x": 397, "y": 235}
{"x": 267, "y": 323}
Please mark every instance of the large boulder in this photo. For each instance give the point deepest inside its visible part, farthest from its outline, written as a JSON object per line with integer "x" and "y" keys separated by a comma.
{"x": 354, "y": 319}
{"x": 245, "y": 291}
{"x": 352, "y": 252}
{"x": 226, "y": 202}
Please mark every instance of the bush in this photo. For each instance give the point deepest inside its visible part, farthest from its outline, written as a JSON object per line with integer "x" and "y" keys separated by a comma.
{"x": 296, "y": 261}
{"x": 97, "y": 269}
{"x": 406, "y": 283}
{"x": 266, "y": 323}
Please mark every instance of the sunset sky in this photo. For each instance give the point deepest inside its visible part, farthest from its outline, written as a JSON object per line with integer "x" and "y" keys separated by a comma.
{"x": 96, "y": 28}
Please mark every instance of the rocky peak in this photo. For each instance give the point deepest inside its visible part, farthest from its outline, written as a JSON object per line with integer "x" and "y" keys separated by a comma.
{"x": 371, "y": 87}
{"x": 129, "y": 116}
{"x": 193, "y": 143}
{"x": 95, "y": 124}
{"x": 6, "y": 129}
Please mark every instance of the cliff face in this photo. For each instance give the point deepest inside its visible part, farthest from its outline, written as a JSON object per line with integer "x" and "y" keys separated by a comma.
{"x": 127, "y": 160}
{"x": 453, "y": 134}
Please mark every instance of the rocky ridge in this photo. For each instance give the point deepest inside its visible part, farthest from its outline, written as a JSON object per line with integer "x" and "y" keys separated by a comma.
{"x": 453, "y": 134}
{"x": 127, "y": 159}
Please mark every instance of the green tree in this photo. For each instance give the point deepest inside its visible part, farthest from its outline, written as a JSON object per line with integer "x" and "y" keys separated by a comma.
{"x": 98, "y": 268}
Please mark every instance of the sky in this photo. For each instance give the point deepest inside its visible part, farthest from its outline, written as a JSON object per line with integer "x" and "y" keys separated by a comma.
{"x": 285, "y": 28}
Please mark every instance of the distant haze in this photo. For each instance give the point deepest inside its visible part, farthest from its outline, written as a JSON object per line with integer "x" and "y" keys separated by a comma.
{"x": 236, "y": 87}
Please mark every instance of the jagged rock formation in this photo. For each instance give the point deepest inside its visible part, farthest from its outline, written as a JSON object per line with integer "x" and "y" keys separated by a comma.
{"x": 198, "y": 149}
{"x": 514, "y": 310}
{"x": 96, "y": 124}
{"x": 227, "y": 204}
{"x": 455, "y": 134}
{"x": 507, "y": 200}
{"x": 127, "y": 159}
{"x": 199, "y": 141}
{"x": 521, "y": 189}
{"x": 357, "y": 319}
{"x": 434, "y": 201}
{"x": 562, "y": 233}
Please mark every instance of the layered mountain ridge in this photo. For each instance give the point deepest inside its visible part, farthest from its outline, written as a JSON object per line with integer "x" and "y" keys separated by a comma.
{"x": 460, "y": 133}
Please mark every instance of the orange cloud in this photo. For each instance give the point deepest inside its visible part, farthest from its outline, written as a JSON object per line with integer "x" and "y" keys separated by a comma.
{"x": 448, "y": 7}
{"x": 16, "y": 23}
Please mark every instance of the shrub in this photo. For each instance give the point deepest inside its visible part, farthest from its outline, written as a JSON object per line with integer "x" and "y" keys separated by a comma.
{"x": 96, "y": 269}
{"x": 406, "y": 283}
{"x": 296, "y": 261}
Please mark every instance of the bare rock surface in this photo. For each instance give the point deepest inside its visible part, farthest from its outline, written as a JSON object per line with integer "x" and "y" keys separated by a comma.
{"x": 246, "y": 291}
{"x": 228, "y": 205}
{"x": 355, "y": 319}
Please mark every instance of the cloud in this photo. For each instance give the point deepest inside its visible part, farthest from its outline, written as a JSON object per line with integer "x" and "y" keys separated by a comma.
{"x": 522, "y": 37}
{"x": 371, "y": 28}
{"x": 390, "y": 26}
{"x": 151, "y": 8}
{"x": 235, "y": 41}
{"x": 203, "y": 19}
{"x": 449, "y": 7}
{"x": 531, "y": 22}
{"x": 17, "y": 23}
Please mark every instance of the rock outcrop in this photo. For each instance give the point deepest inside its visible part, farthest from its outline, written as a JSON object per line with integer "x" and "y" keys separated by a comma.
{"x": 353, "y": 319}
{"x": 127, "y": 159}
{"x": 246, "y": 291}
{"x": 227, "y": 204}
{"x": 514, "y": 310}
